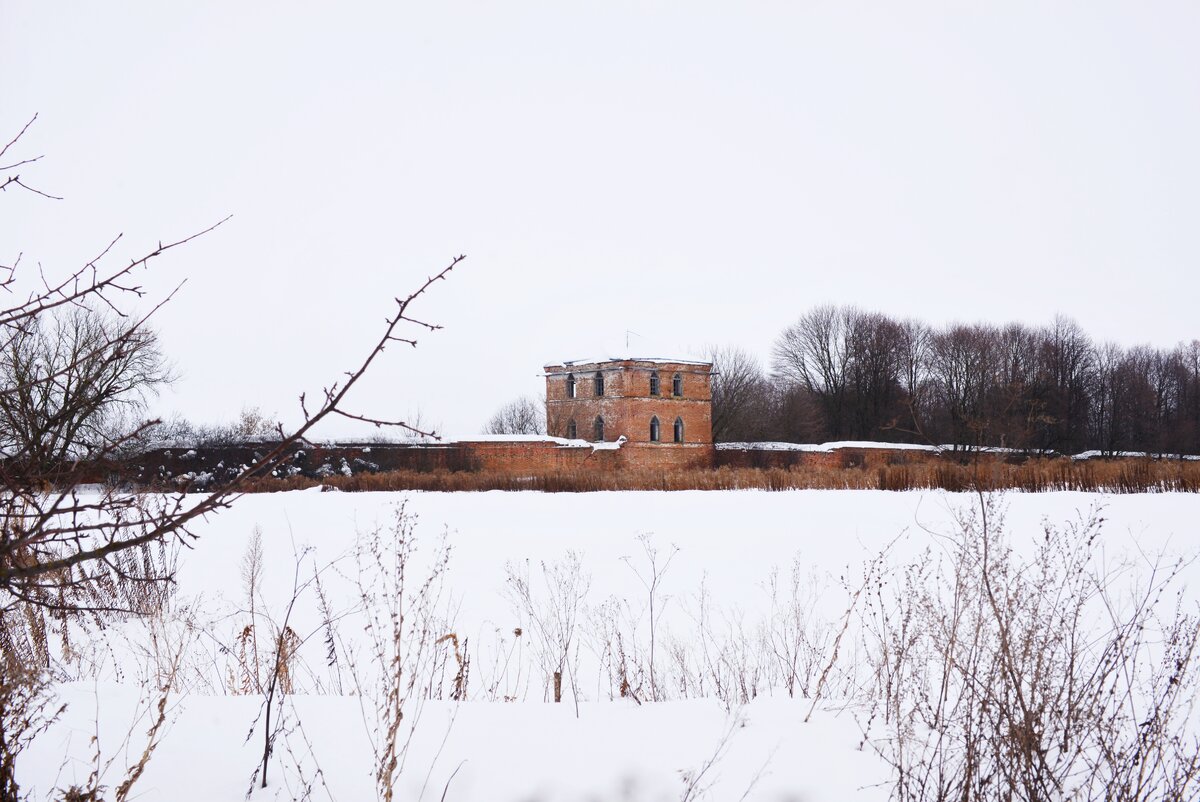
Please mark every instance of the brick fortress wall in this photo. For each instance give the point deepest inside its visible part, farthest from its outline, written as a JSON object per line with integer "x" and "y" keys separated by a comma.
{"x": 548, "y": 457}
{"x": 520, "y": 456}
{"x": 532, "y": 456}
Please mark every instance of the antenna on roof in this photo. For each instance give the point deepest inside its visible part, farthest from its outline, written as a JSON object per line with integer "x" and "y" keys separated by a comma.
{"x": 627, "y": 333}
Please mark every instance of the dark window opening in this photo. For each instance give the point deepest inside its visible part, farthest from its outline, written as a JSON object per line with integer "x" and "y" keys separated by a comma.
{"x": 677, "y": 386}
{"x": 654, "y": 430}
{"x": 599, "y": 383}
{"x": 598, "y": 429}
{"x": 570, "y": 385}
{"x": 679, "y": 430}
{"x": 572, "y": 431}
{"x": 654, "y": 383}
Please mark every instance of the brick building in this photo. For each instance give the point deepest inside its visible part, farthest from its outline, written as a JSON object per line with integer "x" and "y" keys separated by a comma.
{"x": 664, "y": 402}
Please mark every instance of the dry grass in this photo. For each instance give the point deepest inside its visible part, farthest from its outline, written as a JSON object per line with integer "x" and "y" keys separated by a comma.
{"x": 1114, "y": 476}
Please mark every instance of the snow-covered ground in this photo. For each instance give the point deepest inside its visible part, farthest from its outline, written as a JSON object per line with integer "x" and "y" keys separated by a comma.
{"x": 728, "y": 543}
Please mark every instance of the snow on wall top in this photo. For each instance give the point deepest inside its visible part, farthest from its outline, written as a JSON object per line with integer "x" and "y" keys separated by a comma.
{"x": 561, "y": 442}
{"x": 1134, "y": 454}
{"x": 823, "y": 447}
{"x": 608, "y": 445}
{"x": 769, "y": 446}
{"x": 869, "y": 445}
{"x": 524, "y": 438}
{"x": 859, "y": 444}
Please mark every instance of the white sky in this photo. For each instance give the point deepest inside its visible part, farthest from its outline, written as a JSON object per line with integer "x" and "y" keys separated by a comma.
{"x": 696, "y": 173}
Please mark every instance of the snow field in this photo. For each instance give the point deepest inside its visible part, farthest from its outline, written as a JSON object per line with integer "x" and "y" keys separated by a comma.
{"x": 730, "y": 542}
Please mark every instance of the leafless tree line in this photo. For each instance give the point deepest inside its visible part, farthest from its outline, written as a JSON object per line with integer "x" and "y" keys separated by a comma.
{"x": 841, "y": 373}
{"x": 523, "y": 415}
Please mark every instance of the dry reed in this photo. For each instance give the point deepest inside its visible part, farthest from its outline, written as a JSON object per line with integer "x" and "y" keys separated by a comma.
{"x": 1033, "y": 476}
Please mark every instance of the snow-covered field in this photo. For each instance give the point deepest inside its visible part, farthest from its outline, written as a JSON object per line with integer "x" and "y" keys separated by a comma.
{"x": 590, "y": 747}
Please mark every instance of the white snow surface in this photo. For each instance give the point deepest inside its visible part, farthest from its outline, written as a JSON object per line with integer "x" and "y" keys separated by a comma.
{"x": 528, "y": 750}
{"x": 504, "y": 752}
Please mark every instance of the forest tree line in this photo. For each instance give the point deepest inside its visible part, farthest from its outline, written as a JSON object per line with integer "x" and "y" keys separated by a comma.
{"x": 841, "y": 373}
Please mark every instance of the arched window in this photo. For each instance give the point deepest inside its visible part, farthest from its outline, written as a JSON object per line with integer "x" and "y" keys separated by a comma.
{"x": 654, "y": 382}
{"x": 598, "y": 429}
{"x": 677, "y": 386}
{"x": 679, "y": 430}
{"x": 599, "y": 384}
{"x": 654, "y": 429}
{"x": 570, "y": 385}
{"x": 572, "y": 431}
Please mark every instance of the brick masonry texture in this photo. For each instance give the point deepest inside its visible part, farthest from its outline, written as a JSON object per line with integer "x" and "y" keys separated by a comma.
{"x": 521, "y": 457}
{"x": 546, "y": 457}
{"x": 628, "y": 404}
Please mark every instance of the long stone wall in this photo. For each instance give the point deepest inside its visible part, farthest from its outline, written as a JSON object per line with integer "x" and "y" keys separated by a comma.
{"x": 218, "y": 462}
{"x": 215, "y": 463}
{"x": 524, "y": 456}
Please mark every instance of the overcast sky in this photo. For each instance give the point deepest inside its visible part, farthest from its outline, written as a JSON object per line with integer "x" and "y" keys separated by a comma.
{"x": 695, "y": 173}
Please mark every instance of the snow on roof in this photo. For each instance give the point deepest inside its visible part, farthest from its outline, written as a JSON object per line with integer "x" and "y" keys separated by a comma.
{"x": 656, "y": 359}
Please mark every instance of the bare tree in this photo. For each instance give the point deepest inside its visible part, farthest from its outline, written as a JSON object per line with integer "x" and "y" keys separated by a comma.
{"x": 854, "y": 363}
{"x": 874, "y": 374}
{"x": 963, "y": 364}
{"x": 56, "y": 541}
{"x": 1066, "y": 366}
{"x": 521, "y": 416}
{"x": 738, "y": 392}
{"x": 815, "y": 352}
{"x": 72, "y": 379}
{"x": 75, "y": 353}
{"x": 67, "y": 367}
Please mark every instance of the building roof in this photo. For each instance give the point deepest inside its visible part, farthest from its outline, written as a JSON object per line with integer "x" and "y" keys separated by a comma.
{"x": 567, "y": 363}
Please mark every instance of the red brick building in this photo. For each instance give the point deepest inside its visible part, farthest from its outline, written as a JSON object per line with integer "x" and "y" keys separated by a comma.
{"x": 664, "y": 402}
